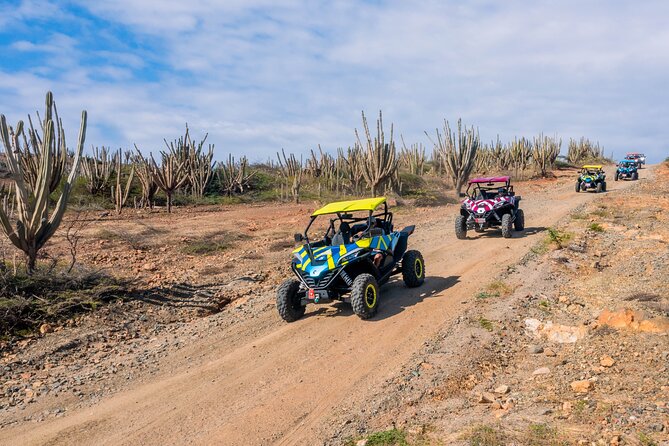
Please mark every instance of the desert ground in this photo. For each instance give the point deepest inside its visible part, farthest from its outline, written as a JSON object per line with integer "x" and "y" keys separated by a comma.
{"x": 556, "y": 336}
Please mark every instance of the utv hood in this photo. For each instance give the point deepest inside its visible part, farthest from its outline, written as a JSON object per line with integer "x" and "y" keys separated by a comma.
{"x": 487, "y": 205}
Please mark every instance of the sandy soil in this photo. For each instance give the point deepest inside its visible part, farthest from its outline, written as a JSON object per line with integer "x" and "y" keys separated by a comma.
{"x": 259, "y": 380}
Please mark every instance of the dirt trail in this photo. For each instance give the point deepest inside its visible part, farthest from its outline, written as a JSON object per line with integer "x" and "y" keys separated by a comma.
{"x": 274, "y": 383}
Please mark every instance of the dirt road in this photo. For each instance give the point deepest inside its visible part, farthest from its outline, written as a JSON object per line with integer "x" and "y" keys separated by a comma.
{"x": 266, "y": 382}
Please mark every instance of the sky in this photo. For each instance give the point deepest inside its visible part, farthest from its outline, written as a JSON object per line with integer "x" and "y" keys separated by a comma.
{"x": 261, "y": 75}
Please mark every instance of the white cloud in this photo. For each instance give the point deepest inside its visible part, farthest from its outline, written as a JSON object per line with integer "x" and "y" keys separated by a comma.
{"x": 260, "y": 75}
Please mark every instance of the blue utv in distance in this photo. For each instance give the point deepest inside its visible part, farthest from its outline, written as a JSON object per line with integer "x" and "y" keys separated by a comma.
{"x": 627, "y": 169}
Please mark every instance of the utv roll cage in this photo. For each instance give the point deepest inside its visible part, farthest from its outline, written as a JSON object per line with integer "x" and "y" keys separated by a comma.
{"x": 488, "y": 188}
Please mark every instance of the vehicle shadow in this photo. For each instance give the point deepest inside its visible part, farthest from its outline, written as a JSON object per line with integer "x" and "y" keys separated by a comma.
{"x": 497, "y": 233}
{"x": 395, "y": 298}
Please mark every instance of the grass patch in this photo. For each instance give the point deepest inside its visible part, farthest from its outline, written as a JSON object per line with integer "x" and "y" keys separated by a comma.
{"x": 645, "y": 440}
{"x": 557, "y": 237}
{"x": 213, "y": 243}
{"x": 496, "y": 288}
{"x": 579, "y": 216}
{"x": 485, "y": 436}
{"x": 392, "y": 437}
{"x": 596, "y": 227}
{"x": 601, "y": 212}
{"x": 540, "y": 434}
{"x": 51, "y": 295}
{"x": 544, "y": 305}
{"x": 485, "y": 324}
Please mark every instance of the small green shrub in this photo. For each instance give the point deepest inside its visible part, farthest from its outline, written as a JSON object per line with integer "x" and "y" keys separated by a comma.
{"x": 558, "y": 237}
{"x": 485, "y": 436}
{"x": 485, "y": 324}
{"x": 596, "y": 227}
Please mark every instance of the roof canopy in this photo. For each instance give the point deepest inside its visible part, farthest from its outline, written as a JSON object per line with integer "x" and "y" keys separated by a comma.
{"x": 367, "y": 204}
{"x": 490, "y": 180}
{"x": 592, "y": 166}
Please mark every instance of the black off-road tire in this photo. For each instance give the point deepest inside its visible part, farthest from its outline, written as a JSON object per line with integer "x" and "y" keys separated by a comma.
{"x": 288, "y": 302}
{"x": 617, "y": 176}
{"x": 506, "y": 226}
{"x": 519, "y": 222}
{"x": 461, "y": 227}
{"x": 413, "y": 269}
{"x": 599, "y": 187}
{"x": 578, "y": 186}
{"x": 603, "y": 186}
{"x": 635, "y": 176}
{"x": 364, "y": 302}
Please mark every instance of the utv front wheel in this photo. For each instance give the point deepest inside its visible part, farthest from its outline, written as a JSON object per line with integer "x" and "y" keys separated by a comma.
{"x": 578, "y": 186}
{"x": 599, "y": 187}
{"x": 635, "y": 176}
{"x": 364, "y": 296}
{"x": 288, "y": 301}
{"x": 617, "y": 176}
{"x": 461, "y": 227}
{"x": 413, "y": 269}
{"x": 506, "y": 225}
{"x": 519, "y": 222}
{"x": 604, "y": 186}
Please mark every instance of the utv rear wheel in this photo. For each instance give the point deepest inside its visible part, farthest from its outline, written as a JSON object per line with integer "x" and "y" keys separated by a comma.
{"x": 461, "y": 227}
{"x": 413, "y": 269}
{"x": 519, "y": 222}
{"x": 364, "y": 296}
{"x": 288, "y": 301}
{"x": 506, "y": 225}
{"x": 578, "y": 186}
{"x": 599, "y": 187}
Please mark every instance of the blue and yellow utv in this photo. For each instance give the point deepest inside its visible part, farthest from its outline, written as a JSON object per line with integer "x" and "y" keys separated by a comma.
{"x": 591, "y": 177}
{"x": 359, "y": 252}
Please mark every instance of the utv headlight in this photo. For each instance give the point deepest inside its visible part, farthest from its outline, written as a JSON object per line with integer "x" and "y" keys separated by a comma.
{"x": 350, "y": 255}
{"x": 480, "y": 210}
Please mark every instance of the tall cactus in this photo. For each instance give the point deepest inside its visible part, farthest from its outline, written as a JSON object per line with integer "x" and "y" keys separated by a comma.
{"x": 171, "y": 174}
{"x": 34, "y": 223}
{"x": 291, "y": 169}
{"x": 458, "y": 152}
{"x": 233, "y": 176}
{"x": 545, "y": 152}
{"x": 119, "y": 194}
{"x": 144, "y": 170}
{"x": 379, "y": 158}
{"x": 97, "y": 170}
{"x": 413, "y": 158}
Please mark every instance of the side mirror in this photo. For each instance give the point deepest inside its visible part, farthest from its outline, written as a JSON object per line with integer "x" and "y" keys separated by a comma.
{"x": 299, "y": 237}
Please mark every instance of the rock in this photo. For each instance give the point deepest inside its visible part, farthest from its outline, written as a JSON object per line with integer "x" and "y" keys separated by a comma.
{"x": 486, "y": 398}
{"x": 561, "y": 334}
{"x": 583, "y": 386}
{"x": 567, "y": 407}
{"x": 550, "y": 353}
{"x": 626, "y": 318}
{"x": 535, "y": 349}
{"x": 149, "y": 267}
{"x": 45, "y": 328}
{"x": 541, "y": 371}
{"x": 502, "y": 389}
{"x": 361, "y": 442}
{"x": 606, "y": 361}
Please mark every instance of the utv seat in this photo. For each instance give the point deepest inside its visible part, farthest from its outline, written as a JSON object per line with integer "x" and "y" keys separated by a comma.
{"x": 343, "y": 236}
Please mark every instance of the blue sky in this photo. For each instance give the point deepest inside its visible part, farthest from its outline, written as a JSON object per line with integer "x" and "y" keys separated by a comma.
{"x": 259, "y": 75}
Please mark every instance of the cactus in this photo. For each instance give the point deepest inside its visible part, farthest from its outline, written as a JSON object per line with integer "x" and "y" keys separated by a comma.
{"x": 545, "y": 152}
{"x": 520, "y": 154}
{"x": 379, "y": 160}
{"x": 291, "y": 170}
{"x": 34, "y": 223}
{"x": 232, "y": 176}
{"x": 97, "y": 170}
{"x": 200, "y": 165}
{"x": 171, "y": 174}
{"x": 119, "y": 196}
{"x": 413, "y": 158}
{"x": 144, "y": 170}
{"x": 458, "y": 152}
{"x": 354, "y": 166}
{"x": 582, "y": 150}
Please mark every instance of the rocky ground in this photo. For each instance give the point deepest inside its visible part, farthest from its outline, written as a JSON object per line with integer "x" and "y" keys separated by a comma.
{"x": 570, "y": 346}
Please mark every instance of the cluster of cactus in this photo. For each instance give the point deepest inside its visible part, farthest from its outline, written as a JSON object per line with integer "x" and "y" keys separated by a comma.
{"x": 119, "y": 193}
{"x": 457, "y": 152}
{"x": 291, "y": 170}
{"x": 519, "y": 155}
{"x": 97, "y": 169}
{"x": 379, "y": 158}
{"x": 582, "y": 150}
{"x": 233, "y": 176}
{"x": 36, "y": 163}
{"x": 413, "y": 158}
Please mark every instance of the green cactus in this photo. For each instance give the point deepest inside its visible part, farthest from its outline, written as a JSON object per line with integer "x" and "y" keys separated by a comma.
{"x": 458, "y": 152}
{"x": 379, "y": 160}
{"x": 291, "y": 170}
{"x": 544, "y": 153}
{"x": 35, "y": 224}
